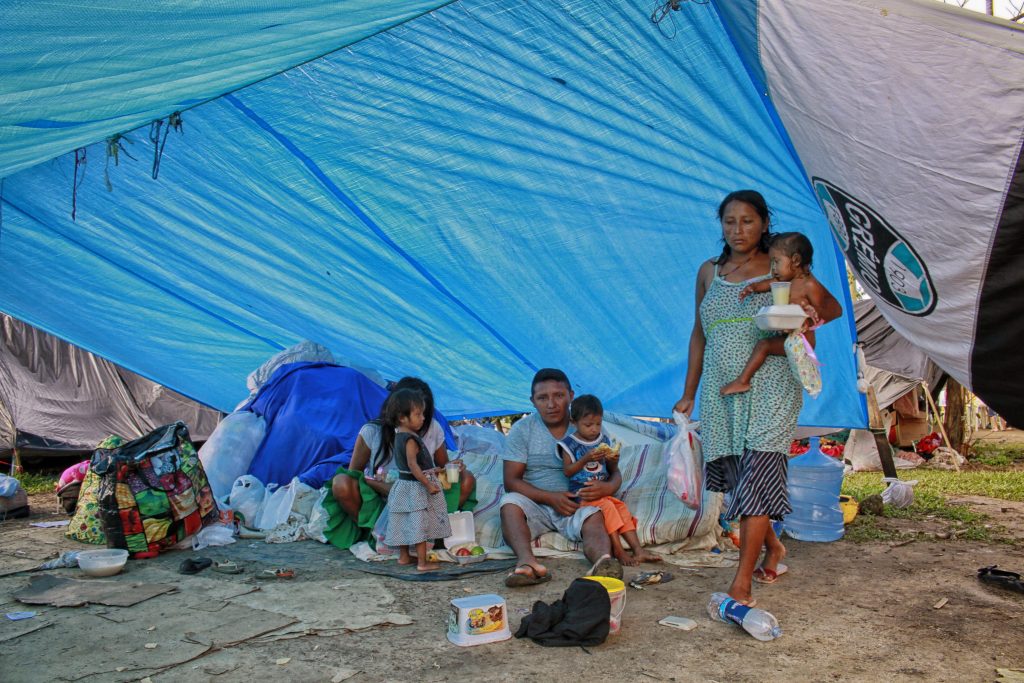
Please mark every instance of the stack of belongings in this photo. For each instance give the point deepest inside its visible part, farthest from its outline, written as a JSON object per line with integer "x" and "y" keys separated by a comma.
{"x": 146, "y": 495}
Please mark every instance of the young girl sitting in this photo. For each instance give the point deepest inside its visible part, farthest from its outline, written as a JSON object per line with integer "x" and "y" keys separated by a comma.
{"x": 417, "y": 512}
{"x": 791, "y": 254}
{"x": 587, "y": 455}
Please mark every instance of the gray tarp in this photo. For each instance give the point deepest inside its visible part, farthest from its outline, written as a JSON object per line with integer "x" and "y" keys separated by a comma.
{"x": 57, "y": 395}
{"x": 885, "y": 349}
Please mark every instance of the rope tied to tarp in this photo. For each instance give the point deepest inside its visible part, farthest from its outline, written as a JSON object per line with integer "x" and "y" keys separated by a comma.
{"x": 79, "y": 161}
{"x": 173, "y": 122}
{"x": 114, "y": 149}
{"x": 662, "y": 11}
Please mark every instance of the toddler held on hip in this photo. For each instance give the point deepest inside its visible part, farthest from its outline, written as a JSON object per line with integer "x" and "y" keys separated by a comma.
{"x": 791, "y": 254}
{"x": 587, "y": 455}
{"x": 417, "y": 512}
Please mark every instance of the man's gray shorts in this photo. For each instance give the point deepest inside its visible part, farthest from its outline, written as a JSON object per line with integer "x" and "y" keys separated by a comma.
{"x": 543, "y": 518}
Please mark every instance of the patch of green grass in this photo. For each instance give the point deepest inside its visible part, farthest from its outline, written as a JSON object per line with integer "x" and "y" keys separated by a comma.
{"x": 37, "y": 483}
{"x": 996, "y": 454}
{"x": 930, "y": 503}
{"x": 990, "y": 483}
{"x": 870, "y": 528}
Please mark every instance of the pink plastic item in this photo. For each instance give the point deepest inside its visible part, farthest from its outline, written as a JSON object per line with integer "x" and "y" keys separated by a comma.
{"x": 75, "y": 473}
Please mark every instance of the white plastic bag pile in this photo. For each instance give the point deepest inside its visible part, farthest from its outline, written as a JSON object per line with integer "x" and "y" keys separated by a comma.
{"x": 286, "y": 513}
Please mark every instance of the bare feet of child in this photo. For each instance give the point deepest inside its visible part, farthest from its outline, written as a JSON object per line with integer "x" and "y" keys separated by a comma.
{"x": 734, "y": 387}
{"x": 404, "y": 557}
{"x": 642, "y": 555}
{"x": 427, "y": 566}
{"x": 624, "y": 558}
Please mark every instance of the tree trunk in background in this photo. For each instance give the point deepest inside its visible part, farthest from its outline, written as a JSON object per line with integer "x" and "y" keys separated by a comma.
{"x": 954, "y": 418}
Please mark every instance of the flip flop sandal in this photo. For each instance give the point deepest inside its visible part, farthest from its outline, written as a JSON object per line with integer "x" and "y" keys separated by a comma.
{"x": 280, "y": 573}
{"x": 762, "y": 575}
{"x": 515, "y": 580}
{"x": 227, "y": 567}
{"x": 1001, "y": 578}
{"x": 194, "y": 565}
{"x": 607, "y": 566}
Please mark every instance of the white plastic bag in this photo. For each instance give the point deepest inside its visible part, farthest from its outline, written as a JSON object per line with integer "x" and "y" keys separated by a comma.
{"x": 214, "y": 534}
{"x": 246, "y": 498}
{"x": 277, "y": 505}
{"x": 899, "y": 494}
{"x": 229, "y": 451}
{"x": 318, "y": 518}
{"x": 684, "y": 463}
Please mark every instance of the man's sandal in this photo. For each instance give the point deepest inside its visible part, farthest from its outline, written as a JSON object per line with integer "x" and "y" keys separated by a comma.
{"x": 520, "y": 580}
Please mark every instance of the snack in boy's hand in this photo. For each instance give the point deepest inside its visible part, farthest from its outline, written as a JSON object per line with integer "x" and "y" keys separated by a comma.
{"x": 609, "y": 452}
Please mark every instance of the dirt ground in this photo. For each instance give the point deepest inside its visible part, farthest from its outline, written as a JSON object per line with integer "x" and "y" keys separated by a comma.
{"x": 849, "y": 612}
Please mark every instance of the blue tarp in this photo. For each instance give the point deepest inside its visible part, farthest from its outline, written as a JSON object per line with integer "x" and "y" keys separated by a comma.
{"x": 478, "y": 192}
{"x": 313, "y": 413}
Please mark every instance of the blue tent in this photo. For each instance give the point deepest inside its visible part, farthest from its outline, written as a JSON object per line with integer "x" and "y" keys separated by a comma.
{"x": 462, "y": 191}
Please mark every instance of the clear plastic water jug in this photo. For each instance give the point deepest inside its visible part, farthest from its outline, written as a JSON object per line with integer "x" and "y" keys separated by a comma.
{"x": 815, "y": 480}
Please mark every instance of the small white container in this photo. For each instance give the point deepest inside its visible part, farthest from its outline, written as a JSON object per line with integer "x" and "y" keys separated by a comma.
{"x": 463, "y": 536}
{"x": 780, "y": 293}
{"x": 478, "y": 619}
{"x": 783, "y": 318}
{"x": 102, "y": 562}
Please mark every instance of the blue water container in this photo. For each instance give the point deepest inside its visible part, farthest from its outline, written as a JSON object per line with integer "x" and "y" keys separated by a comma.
{"x": 815, "y": 480}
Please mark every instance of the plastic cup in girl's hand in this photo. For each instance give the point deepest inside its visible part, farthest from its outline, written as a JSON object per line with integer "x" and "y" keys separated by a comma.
{"x": 451, "y": 470}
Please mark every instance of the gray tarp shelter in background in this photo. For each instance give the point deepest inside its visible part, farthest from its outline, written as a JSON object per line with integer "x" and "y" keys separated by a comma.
{"x": 895, "y": 365}
{"x": 54, "y": 395}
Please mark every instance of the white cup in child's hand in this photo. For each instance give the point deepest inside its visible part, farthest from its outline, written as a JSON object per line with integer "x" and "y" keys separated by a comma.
{"x": 780, "y": 293}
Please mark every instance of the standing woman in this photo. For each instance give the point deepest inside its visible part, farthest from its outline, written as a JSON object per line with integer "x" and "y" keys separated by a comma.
{"x": 746, "y": 436}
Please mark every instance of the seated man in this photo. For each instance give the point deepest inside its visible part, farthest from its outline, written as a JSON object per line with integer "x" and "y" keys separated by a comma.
{"x": 537, "y": 498}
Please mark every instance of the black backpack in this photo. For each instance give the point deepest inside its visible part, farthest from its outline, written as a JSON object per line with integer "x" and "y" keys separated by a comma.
{"x": 579, "y": 618}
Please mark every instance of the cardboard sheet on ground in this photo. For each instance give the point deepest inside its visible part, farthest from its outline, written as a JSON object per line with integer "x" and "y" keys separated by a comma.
{"x": 24, "y": 548}
{"x": 328, "y": 607}
{"x": 122, "y": 634}
{"x": 9, "y": 630}
{"x": 61, "y": 591}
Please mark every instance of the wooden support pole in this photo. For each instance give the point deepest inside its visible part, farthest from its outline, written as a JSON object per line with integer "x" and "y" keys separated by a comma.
{"x": 942, "y": 427}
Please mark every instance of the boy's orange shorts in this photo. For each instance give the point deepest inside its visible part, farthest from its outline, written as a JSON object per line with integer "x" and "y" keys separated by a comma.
{"x": 617, "y": 519}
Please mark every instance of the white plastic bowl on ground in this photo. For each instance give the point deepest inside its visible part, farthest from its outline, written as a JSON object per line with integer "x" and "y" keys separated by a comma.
{"x": 102, "y": 562}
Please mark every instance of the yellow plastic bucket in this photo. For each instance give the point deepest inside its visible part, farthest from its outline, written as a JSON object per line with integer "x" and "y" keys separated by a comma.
{"x": 849, "y": 507}
{"x": 617, "y": 594}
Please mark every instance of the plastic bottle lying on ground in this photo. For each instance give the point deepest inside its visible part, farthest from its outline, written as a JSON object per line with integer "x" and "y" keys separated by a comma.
{"x": 758, "y": 623}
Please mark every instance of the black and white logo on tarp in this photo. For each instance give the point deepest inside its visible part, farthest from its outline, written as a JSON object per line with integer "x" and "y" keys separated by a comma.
{"x": 883, "y": 260}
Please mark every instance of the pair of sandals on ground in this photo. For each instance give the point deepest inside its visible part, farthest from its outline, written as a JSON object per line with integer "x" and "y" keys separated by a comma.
{"x": 194, "y": 565}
